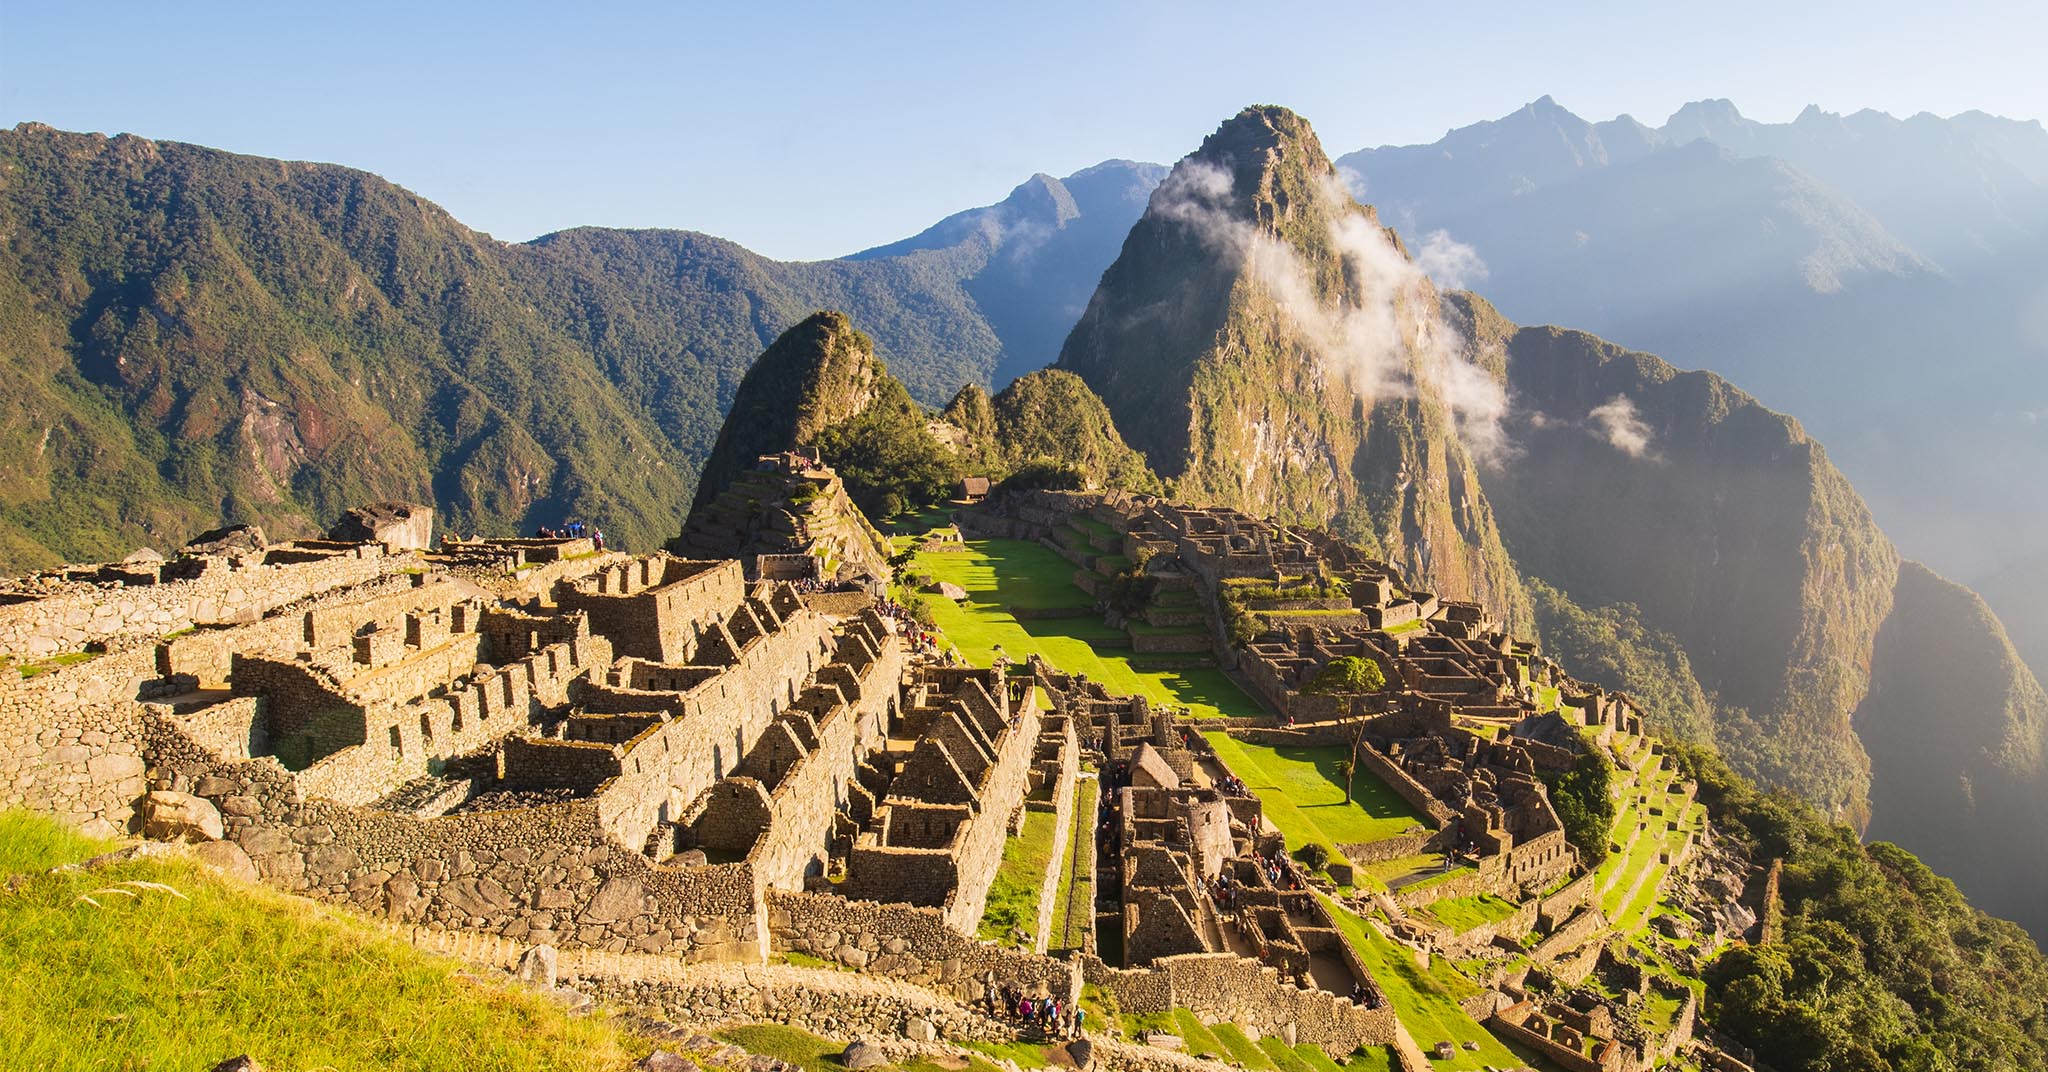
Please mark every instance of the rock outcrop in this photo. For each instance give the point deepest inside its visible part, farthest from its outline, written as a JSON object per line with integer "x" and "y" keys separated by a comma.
{"x": 1268, "y": 346}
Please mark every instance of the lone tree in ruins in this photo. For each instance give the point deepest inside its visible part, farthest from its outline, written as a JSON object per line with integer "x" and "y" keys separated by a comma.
{"x": 1350, "y": 675}
{"x": 1353, "y": 676}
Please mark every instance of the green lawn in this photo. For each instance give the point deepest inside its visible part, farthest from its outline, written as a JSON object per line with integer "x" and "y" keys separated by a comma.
{"x": 1199, "y": 1038}
{"x": 1426, "y": 1001}
{"x": 1013, "y": 896}
{"x": 1386, "y": 871}
{"x": 1304, "y": 795}
{"x": 152, "y": 979}
{"x": 1461, "y": 914}
{"x": 1240, "y": 1048}
{"x": 1000, "y": 574}
{"x": 1077, "y": 867}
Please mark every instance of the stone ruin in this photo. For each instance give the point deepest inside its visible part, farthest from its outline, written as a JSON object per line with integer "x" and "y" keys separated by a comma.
{"x": 786, "y": 507}
{"x": 710, "y": 760}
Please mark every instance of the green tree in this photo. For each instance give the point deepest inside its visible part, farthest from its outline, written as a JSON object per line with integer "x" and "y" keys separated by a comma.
{"x": 1580, "y": 796}
{"x": 1350, "y": 675}
{"x": 887, "y": 458}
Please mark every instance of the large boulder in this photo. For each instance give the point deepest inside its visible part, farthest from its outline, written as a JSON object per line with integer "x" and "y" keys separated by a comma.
{"x": 230, "y": 540}
{"x": 399, "y": 526}
{"x": 947, "y": 590}
{"x": 863, "y": 1054}
{"x": 227, "y": 858}
{"x": 170, "y": 816}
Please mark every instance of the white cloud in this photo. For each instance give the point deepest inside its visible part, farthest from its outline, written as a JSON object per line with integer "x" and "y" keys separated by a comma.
{"x": 1382, "y": 335}
{"x": 1618, "y": 422}
{"x": 1449, "y": 263}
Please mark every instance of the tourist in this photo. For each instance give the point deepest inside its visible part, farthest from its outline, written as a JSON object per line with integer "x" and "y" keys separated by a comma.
{"x": 597, "y": 539}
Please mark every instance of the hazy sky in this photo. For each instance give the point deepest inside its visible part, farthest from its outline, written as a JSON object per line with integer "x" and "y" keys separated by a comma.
{"x": 808, "y": 131}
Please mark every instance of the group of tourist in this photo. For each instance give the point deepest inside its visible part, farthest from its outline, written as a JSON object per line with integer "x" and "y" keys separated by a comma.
{"x": 1056, "y": 1017}
{"x": 1223, "y": 891}
{"x": 922, "y": 641}
{"x": 809, "y": 585}
{"x": 1279, "y": 871}
{"x": 572, "y": 530}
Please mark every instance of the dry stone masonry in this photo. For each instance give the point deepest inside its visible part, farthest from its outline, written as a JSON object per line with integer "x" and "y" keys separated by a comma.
{"x": 657, "y": 761}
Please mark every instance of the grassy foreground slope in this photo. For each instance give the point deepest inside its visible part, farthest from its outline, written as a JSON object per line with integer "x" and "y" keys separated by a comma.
{"x": 168, "y": 966}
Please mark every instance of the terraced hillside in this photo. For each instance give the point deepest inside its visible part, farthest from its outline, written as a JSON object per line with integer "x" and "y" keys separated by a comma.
{"x": 1022, "y": 600}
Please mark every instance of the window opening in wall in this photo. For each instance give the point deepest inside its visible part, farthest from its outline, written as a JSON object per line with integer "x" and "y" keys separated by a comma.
{"x": 397, "y": 742}
{"x": 426, "y": 727}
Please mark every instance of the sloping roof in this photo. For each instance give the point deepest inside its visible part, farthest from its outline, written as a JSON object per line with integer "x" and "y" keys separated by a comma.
{"x": 974, "y": 485}
{"x": 1148, "y": 767}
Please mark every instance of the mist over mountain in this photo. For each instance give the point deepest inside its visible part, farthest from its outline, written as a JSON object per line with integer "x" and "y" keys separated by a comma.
{"x": 1886, "y": 280}
{"x": 1269, "y": 346}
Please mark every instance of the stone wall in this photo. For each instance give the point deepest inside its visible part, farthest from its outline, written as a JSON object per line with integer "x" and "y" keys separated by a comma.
{"x": 1064, "y": 819}
{"x": 540, "y": 874}
{"x": 72, "y": 740}
{"x": 1514, "y": 928}
{"x": 224, "y": 591}
{"x": 1404, "y": 785}
{"x": 1563, "y": 1057}
{"x": 954, "y": 871}
{"x": 204, "y": 657}
{"x": 1559, "y": 906}
{"x": 1573, "y": 933}
{"x": 399, "y": 741}
{"x": 654, "y": 607}
{"x": 908, "y": 942}
{"x": 669, "y": 766}
{"x": 1224, "y": 988}
{"x": 805, "y": 803}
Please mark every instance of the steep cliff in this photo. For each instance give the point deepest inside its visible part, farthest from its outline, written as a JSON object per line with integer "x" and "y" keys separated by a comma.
{"x": 1957, "y": 731}
{"x": 1268, "y": 346}
{"x": 1635, "y": 482}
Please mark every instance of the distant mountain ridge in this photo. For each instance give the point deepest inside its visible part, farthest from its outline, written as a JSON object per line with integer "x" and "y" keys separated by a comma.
{"x": 1880, "y": 277}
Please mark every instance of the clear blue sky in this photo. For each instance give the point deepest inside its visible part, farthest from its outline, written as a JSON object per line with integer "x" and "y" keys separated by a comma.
{"x": 808, "y": 131}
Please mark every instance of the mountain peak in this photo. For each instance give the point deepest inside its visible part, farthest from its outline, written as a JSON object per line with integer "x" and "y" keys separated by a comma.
{"x": 1263, "y": 134}
{"x": 1042, "y": 196}
{"x": 1710, "y": 118}
{"x": 816, "y": 374}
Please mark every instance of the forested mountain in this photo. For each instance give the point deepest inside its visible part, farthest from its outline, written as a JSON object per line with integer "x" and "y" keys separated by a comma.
{"x": 1829, "y": 663}
{"x": 1045, "y": 247}
{"x": 191, "y": 336}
